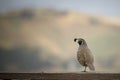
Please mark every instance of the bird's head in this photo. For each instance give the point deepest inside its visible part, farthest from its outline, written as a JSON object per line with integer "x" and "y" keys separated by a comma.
{"x": 80, "y": 41}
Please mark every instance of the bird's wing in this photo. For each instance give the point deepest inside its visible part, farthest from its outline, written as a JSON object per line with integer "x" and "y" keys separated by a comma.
{"x": 88, "y": 56}
{"x": 89, "y": 59}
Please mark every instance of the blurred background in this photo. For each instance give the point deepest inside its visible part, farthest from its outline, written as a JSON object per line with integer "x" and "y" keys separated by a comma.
{"x": 37, "y": 35}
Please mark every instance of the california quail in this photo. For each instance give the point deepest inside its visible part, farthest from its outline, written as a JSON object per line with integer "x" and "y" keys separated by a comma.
{"x": 84, "y": 54}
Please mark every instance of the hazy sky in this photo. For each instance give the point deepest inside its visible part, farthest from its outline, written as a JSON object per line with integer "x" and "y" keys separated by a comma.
{"x": 105, "y": 7}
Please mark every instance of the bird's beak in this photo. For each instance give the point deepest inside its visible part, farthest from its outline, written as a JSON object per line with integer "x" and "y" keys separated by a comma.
{"x": 75, "y": 39}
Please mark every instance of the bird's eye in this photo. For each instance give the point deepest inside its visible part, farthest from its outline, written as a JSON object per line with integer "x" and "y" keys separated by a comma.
{"x": 80, "y": 42}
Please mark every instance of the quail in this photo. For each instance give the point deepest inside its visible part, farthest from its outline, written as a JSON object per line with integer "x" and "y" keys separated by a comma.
{"x": 84, "y": 54}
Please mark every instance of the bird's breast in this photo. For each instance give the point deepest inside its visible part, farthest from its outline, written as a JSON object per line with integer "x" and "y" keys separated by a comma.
{"x": 81, "y": 56}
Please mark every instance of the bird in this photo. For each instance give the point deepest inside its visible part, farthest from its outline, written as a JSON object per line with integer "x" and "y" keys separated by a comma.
{"x": 84, "y": 55}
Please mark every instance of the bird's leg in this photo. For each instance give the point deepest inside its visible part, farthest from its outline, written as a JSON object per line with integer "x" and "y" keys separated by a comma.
{"x": 84, "y": 69}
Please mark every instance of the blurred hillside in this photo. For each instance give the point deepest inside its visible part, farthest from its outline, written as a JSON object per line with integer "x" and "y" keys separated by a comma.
{"x": 42, "y": 40}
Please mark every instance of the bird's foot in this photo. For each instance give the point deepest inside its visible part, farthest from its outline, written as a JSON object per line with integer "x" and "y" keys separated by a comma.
{"x": 84, "y": 71}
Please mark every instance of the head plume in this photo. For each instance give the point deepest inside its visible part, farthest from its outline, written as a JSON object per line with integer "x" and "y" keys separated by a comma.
{"x": 80, "y": 41}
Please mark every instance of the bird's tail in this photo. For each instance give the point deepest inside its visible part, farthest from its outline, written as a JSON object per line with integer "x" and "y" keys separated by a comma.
{"x": 91, "y": 67}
